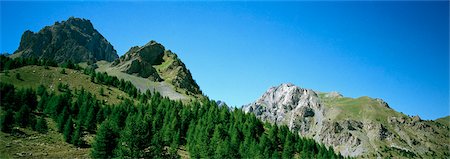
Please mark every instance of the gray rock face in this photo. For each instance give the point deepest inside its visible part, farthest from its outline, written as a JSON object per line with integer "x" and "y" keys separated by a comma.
{"x": 74, "y": 39}
{"x": 140, "y": 60}
{"x": 288, "y": 104}
{"x": 362, "y": 127}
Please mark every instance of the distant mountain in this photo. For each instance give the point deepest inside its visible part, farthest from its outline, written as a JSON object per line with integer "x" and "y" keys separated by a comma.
{"x": 74, "y": 39}
{"x": 361, "y": 127}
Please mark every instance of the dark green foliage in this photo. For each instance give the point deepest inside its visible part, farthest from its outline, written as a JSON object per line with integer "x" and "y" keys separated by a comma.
{"x": 22, "y": 117}
{"x": 63, "y": 71}
{"x": 134, "y": 138}
{"x": 68, "y": 130}
{"x": 18, "y": 76}
{"x": 7, "y": 96}
{"x": 7, "y": 63}
{"x": 41, "y": 125}
{"x": 76, "y": 138}
{"x": 105, "y": 141}
{"x": 102, "y": 91}
{"x": 7, "y": 121}
{"x": 41, "y": 90}
{"x": 63, "y": 87}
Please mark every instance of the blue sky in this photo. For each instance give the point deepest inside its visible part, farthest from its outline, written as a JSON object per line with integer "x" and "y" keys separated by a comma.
{"x": 397, "y": 51}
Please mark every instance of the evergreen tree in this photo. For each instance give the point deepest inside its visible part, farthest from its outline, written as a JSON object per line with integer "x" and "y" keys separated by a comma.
{"x": 7, "y": 121}
{"x": 7, "y": 96}
{"x": 223, "y": 150}
{"x": 68, "y": 130}
{"x": 41, "y": 90}
{"x": 43, "y": 102}
{"x": 22, "y": 117}
{"x": 18, "y": 76}
{"x": 288, "y": 147}
{"x": 62, "y": 119}
{"x": 41, "y": 125}
{"x": 105, "y": 141}
{"x": 30, "y": 98}
{"x": 76, "y": 138}
{"x": 102, "y": 91}
{"x": 90, "y": 122}
{"x": 134, "y": 139}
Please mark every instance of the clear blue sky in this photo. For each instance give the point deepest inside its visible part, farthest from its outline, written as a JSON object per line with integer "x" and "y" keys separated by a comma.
{"x": 397, "y": 51}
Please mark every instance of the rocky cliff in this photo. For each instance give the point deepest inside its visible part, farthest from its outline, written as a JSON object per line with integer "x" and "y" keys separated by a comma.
{"x": 154, "y": 62}
{"x": 74, "y": 39}
{"x": 361, "y": 127}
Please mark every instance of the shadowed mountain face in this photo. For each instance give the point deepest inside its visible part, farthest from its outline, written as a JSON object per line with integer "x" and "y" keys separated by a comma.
{"x": 361, "y": 127}
{"x": 74, "y": 39}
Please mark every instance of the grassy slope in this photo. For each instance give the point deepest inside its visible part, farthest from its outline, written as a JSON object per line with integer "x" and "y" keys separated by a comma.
{"x": 52, "y": 145}
{"x": 368, "y": 109}
{"x": 36, "y": 145}
{"x": 33, "y": 76}
{"x": 444, "y": 121}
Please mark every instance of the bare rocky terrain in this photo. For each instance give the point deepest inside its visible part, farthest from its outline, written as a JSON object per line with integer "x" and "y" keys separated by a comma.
{"x": 361, "y": 127}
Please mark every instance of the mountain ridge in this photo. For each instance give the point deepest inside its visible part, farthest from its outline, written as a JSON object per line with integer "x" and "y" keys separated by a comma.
{"x": 357, "y": 127}
{"x": 75, "y": 39}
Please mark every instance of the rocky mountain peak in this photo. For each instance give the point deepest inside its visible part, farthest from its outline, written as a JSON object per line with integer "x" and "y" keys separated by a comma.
{"x": 357, "y": 127}
{"x": 74, "y": 39}
{"x": 154, "y": 62}
{"x": 288, "y": 104}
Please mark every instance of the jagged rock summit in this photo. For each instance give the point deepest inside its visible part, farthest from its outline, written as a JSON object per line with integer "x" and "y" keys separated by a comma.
{"x": 154, "y": 62}
{"x": 358, "y": 127}
{"x": 74, "y": 39}
{"x": 288, "y": 104}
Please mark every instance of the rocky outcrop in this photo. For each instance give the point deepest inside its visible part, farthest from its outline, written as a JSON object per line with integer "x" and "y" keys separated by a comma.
{"x": 140, "y": 61}
{"x": 362, "y": 127}
{"x": 154, "y": 62}
{"x": 288, "y": 104}
{"x": 74, "y": 39}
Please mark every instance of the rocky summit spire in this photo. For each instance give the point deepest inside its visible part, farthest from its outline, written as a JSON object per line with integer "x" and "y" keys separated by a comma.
{"x": 74, "y": 39}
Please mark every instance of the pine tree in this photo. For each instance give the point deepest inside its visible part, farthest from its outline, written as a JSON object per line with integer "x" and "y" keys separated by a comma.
{"x": 68, "y": 130}
{"x": 102, "y": 91}
{"x": 22, "y": 117}
{"x": 30, "y": 98}
{"x": 41, "y": 125}
{"x": 76, "y": 138}
{"x": 7, "y": 121}
{"x": 18, "y": 76}
{"x": 43, "y": 102}
{"x": 105, "y": 141}
{"x": 288, "y": 147}
{"x": 134, "y": 138}
{"x": 90, "y": 122}
{"x": 62, "y": 119}
{"x": 223, "y": 150}
{"x": 41, "y": 90}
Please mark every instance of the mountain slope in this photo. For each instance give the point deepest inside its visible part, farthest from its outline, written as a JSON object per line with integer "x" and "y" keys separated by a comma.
{"x": 361, "y": 127}
{"x": 151, "y": 67}
{"x": 74, "y": 39}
